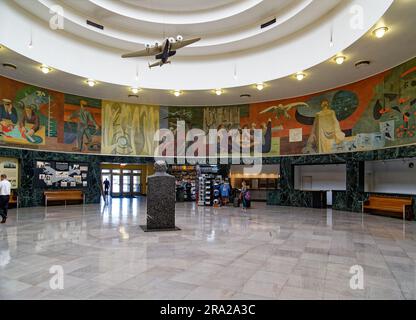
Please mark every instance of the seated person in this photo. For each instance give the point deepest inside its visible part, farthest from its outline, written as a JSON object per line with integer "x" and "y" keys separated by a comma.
{"x": 8, "y": 113}
{"x": 29, "y": 116}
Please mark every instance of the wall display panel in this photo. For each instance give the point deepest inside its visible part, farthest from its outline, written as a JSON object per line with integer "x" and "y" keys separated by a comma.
{"x": 56, "y": 174}
{"x": 10, "y": 167}
{"x": 375, "y": 113}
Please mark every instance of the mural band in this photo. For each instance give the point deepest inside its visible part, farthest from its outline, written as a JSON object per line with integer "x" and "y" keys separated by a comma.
{"x": 378, "y": 112}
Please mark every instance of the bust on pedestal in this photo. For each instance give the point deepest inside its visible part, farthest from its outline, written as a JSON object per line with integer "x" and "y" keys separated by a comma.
{"x": 160, "y": 200}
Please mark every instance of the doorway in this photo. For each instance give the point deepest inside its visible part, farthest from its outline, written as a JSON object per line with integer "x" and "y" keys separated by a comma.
{"x": 124, "y": 182}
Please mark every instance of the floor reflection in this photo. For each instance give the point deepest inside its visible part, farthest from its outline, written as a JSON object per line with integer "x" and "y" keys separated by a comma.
{"x": 220, "y": 253}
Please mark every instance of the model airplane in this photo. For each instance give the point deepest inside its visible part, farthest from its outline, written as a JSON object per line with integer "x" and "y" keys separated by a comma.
{"x": 162, "y": 51}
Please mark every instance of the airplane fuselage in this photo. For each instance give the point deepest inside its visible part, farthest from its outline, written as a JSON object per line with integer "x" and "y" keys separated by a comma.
{"x": 166, "y": 53}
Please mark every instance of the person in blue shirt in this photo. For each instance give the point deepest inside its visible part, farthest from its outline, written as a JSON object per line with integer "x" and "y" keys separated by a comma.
{"x": 8, "y": 112}
{"x": 225, "y": 192}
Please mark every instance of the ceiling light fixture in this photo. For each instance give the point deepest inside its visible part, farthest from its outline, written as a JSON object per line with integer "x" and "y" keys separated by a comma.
{"x": 45, "y": 69}
{"x": 300, "y": 76}
{"x": 218, "y": 92}
{"x": 331, "y": 39}
{"x": 30, "y": 45}
{"x": 177, "y": 93}
{"x": 91, "y": 82}
{"x": 340, "y": 59}
{"x": 260, "y": 86}
{"x": 380, "y": 32}
{"x": 362, "y": 64}
{"x": 9, "y": 66}
{"x": 135, "y": 90}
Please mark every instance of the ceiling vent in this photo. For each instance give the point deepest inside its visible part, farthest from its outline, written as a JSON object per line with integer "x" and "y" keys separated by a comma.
{"x": 95, "y": 25}
{"x": 362, "y": 64}
{"x": 134, "y": 96}
{"x": 268, "y": 23}
{"x": 245, "y": 95}
{"x": 9, "y": 66}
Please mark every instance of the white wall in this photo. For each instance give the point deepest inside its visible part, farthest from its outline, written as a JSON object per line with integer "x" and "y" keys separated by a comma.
{"x": 392, "y": 176}
{"x": 324, "y": 177}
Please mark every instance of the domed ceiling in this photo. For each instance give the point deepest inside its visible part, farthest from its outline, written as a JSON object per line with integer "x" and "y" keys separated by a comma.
{"x": 234, "y": 53}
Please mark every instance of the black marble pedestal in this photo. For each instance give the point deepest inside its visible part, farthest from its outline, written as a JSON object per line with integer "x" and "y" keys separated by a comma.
{"x": 160, "y": 203}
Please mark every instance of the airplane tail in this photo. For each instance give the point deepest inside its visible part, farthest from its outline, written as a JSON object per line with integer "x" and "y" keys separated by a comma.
{"x": 158, "y": 63}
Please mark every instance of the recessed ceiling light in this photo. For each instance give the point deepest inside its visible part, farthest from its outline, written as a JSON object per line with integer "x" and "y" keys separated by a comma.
{"x": 260, "y": 86}
{"x": 45, "y": 69}
{"x": 135, "y": 90}
{"x": 340, "y": 59}
{"x": 300, "y": 76}
{"x": 91, "y": 82}
{"x": 177, "y": 93}
{"x": 380, "y": 32}
{"x": 9, "y": 66}
{"x": 218, "y": 92}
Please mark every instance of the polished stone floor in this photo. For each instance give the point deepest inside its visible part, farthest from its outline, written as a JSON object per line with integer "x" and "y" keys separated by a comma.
{"x": 267, "y": 253}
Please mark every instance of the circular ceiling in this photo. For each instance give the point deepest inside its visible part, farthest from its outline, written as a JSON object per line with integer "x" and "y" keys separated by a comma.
{"x": 180, "y": 5}
{"x": 234, "y": 51}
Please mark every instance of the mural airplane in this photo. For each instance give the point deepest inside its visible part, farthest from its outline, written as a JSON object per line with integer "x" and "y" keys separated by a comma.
{"x": 162, "y": 52}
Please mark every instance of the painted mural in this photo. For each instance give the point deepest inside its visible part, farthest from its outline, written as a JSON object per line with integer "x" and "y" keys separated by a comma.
{"x": 82, "y": 123}
{"x": 28, "y": 114}
{"x": 378, "y": 112}
{"x": 128, "y": 129}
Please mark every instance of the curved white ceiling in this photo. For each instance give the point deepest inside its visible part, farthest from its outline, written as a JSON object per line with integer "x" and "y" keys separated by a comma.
{"x": 180, "y": 5}
{"x": 234, "y": 50}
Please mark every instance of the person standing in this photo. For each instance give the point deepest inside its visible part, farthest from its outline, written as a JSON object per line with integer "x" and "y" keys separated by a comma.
{"x": 225, "y": 193}
{"x": 242, "y": 195}
{"x": 106, "y": 186}
{"x": 5, "y": 187}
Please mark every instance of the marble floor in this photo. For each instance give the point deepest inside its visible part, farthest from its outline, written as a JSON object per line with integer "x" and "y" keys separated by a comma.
{"x": 267, "y": 253}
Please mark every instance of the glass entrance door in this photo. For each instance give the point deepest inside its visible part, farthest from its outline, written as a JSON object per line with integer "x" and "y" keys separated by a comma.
{"x": 136, "y": 185}
{"x": 127, "y": 186}
{"x": 123, "y": 182}
{"x": 115, "y": 186}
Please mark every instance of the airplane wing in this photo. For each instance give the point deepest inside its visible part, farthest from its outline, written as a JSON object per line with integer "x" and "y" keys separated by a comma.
{"x": 184, "y": 43}
{"x": 144, "y": 53}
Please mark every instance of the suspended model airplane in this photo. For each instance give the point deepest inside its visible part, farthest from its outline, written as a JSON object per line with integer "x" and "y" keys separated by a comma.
{"x": 162, "y": 51}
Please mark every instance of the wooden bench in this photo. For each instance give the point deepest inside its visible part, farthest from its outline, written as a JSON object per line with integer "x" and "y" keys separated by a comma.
{"x": 392, "y": 206}
{"x": 63, "y": 195}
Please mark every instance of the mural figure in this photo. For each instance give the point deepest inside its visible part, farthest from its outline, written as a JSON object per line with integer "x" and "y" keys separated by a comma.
{"x": 129, "y": 128}
{"x": 8, "y": 113}
{"x": 87, "y": 126}
{"x": 29, "y": 123}
{"x": 282, "y": 111}
{"x": 228, "y": 117}
{"x": 325, "y": 131}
